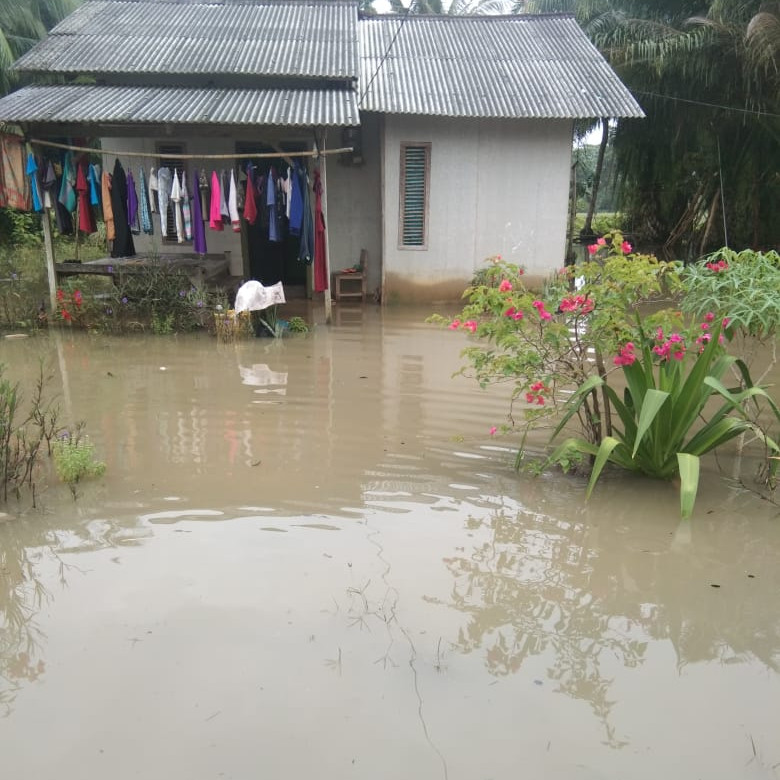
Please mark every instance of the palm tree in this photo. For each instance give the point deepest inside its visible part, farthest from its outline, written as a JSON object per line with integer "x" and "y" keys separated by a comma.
{"x": 702, "y": 169}
{"x": 22, "y": 24}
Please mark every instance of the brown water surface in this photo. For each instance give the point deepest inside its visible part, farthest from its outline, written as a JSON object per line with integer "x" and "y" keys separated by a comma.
{"x": 308, "y": 559}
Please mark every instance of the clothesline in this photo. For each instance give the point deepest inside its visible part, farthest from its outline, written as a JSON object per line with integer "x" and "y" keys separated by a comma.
{"x": 269, "y": 155}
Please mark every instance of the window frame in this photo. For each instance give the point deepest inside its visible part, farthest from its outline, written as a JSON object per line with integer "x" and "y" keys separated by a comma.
{"x": 426, "y": 146}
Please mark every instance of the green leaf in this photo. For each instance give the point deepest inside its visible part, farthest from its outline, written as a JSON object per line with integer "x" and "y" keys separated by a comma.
{"x": 689, "y": 482}
{"x": 654, "y": 400}
{"x": 606, "y": 447}
{"x": 574, "y": 403}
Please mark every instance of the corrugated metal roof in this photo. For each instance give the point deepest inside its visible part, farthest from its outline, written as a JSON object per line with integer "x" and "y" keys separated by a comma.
{"x": 180, "y": 105}
{"x": 297, "y": 38}
{"x": 487, "y": 66}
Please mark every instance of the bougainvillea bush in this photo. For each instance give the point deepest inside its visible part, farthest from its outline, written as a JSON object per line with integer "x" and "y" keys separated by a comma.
{"x": 598, "y": 346}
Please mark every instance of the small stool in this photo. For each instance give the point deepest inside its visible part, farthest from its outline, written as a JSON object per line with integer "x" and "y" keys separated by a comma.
{"x": 350, "y": 284}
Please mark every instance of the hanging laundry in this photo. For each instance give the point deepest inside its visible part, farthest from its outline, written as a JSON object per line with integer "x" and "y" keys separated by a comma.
{"x": 86, "y": 218}
{"x": 123, "y": 243}
{"x": 198, "y": 229}
{"x": 108, "y": 211}
{"x": 215, "y": 215}
{"x": 49, "y": 185}
{"x": 287, "y": 190}
{"x": 35, "y": 187}
{"x": 147, "y": 223}
{"x": 235, "y": 221}
{"x": 274, "y": 224}
{"x": 250, "y": 207}
{"x": 297, "y": 189}
{"x": 153, "y": 185}
{"x": 306, "y": 249}
{"x": 68, "y": 185}
{"x": 163, "y": 196}
{"x": 205, "y": 200}
{"x": 186, "y": 210}
{"x": 223, "y": 195}
{"x": 93, "y": 176}
{"x": 14, "y": 187}
{"x": 320, "y": 251}
{"x": 176, "y": 198}
{"x": 132, "y": 205}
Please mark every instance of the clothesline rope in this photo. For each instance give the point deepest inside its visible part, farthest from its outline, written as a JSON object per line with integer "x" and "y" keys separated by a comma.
{"x": 259, "y": 155}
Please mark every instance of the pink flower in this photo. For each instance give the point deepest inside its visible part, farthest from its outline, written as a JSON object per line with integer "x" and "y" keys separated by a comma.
{"x": 709, "y": 316}
{"x": 517, "y": 316}
{"x": 510, "y": 311}
{"x": 593, "y": 248}
{"x": 678, "y": 354}
{"x": 574, "y": 302}
{"x": 493, "y": 430}
{"x": 725, "y": 322}
{"x": 705, "y": 326}
{"x": 505, "y": 285}
{"x": 454, "y": 325}
{"x": 721, "y": 265}
{"x": 530, "y": 397}
{"x": 626, "y": 356}
{"x": 626, "y": 247}
{"x": 659, "y": 334}
{"x": 543, "y": 313}
{"x": 676, "y": 338}
{"x": 470, "y": 325}
{"x": 601, "y": 241}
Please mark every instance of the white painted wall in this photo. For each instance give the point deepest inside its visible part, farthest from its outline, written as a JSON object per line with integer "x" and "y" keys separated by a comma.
{"x": 355, "y": 205}
{"x": 497, "y": 187}
{"x": 216, "y": 242}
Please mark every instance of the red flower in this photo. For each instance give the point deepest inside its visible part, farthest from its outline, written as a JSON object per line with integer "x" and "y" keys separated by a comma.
{"x": 505, "y": 285}
{"x": 454, "y": 325}
{"x": 543, "y": 313}
{"x": 60, "y": 295}
{"x": 626, "y": 247}
{"x": 626, "y": 356}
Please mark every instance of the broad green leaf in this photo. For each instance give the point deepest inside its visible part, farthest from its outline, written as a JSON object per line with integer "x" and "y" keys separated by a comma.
{"x": 689, "y": 482}
{"x": 574, "y": 403}
{"x": 712, "y": 435}
{"x": 654, "y": 400}
{"x": 608, "y": 444}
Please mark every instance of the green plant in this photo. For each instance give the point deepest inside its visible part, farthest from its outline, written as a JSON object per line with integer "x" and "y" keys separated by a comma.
{"x": 74, "y": 458}
{"x": 298, "y": 325}
{"x": 662, "y": 428}
{"x": 549, "y": 343}
{"x": 23, "y": 435}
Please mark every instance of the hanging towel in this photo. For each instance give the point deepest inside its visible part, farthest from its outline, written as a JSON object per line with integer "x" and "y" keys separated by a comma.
{"x": 147, "y": 223}
{"x": 176, "y": 198}
{"x": 153, "y": 185}
{"x": 163, "y": 196}
{"x": 108, "y": 211}
{"x": 320, "y": 252}
{"x": 223, "y": 195}
{"x": 233, "y": 204}
{"x": 186, "y": 210}
{"x": 199, "y": 231}
{"x": 68, "y": 186}
{"x": 93, "y": 176}
{"x": 215, "y": 215}
{"x": 86, "y": 219}
{"x": 123, "y": 243}
{"x": 250, "y": 207}
{"x": 35, "y": 187}
{"x": 14, "y": 192}
{"x": 274, "y": 228}
{"x": 132, "y": 205}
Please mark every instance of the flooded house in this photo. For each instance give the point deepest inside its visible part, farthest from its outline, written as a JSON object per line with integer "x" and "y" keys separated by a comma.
{"x": 425, "y": 144}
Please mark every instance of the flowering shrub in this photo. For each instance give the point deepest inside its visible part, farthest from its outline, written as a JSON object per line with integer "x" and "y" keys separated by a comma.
{"x": 561, "y": 350}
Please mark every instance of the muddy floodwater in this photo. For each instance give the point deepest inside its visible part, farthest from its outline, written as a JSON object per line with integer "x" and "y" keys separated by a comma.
{"x": 308, "y": 559}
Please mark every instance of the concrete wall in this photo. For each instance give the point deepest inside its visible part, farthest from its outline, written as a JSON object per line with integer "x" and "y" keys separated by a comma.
{"x": 354, "y": 215}
{"x": 496, "y": 187}
{"x": 216, "y": 242}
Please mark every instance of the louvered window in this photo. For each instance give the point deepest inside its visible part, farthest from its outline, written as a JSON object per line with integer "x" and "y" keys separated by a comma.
{"x": 175, "y": 163}
{"x": 415, "y": 175}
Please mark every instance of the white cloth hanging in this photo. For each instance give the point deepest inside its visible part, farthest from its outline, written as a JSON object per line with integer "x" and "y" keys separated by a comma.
{"x": 176, "y": 198}
{"x": 152, "y": 190}
{"x": 235, "y": 221}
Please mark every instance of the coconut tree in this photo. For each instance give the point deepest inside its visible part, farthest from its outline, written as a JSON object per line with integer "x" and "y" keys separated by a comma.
{"x": 22, "y": 24}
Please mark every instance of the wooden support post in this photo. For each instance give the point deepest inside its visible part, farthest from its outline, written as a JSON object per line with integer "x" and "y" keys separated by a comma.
{"x": 323, "y": 174}
{"x": 48, "y": 245}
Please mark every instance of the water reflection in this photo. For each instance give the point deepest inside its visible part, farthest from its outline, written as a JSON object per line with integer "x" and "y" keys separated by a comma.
{"x": 588, "y": 596}
{"x": 32, "y": 550}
